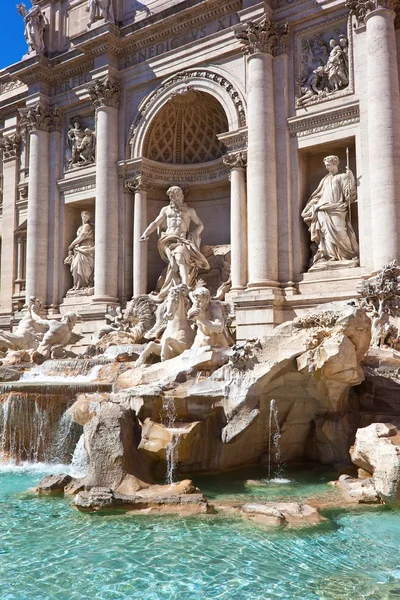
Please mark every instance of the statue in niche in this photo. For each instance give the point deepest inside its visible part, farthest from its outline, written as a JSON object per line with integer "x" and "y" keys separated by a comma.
{"x": 83, "y": 146}
{"x": 34, "y": 26}
{"x": 178, "y": 245}
{"x": 327, "y": 215}
{"x": 81, "y": 258}
{"x": 100, "y": 9}
{"x": 324, "y": 70}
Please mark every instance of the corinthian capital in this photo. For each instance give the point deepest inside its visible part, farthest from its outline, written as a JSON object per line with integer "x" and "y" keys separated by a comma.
{"x": 265, "y": 36}
{"x": 361, "y": 8}
{"x": 104, "y": 92}
{"x": 11, "y": 145}
{"x": 34, "y": 118}
{"x": 238, "y": 160}
{"x": 138, "y": 184}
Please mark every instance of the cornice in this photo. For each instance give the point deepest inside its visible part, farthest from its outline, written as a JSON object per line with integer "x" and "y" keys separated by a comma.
{"x": 315, "y": 123}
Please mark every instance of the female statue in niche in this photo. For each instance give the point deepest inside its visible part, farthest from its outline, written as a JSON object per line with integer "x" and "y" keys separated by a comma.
{"x": 327, "y": 214}
{"x": 81, "y": 256}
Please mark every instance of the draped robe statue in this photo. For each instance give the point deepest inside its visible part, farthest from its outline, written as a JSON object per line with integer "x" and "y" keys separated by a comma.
{"x": 81, "y": 256}
{"x": 177, "y": 245}
{"x": 327, "y": 215}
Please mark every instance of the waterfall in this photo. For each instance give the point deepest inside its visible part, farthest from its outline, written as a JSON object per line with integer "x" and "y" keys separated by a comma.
{"x": 34, "y": 429}
{"x": 80, "y": 459}
{"x": 168, "y": 419}
{"x": 274, "y": 436}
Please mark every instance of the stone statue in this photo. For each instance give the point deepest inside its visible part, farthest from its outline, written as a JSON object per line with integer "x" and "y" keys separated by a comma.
{"x": 314, "y": 85}
{"x": 29, "y": 332}
{"x": 178, "y": 335}
{"x": 83, "y": 146}
{"x": 336, "y": 67}
{"x": 81, "y": 257}
{"x": 57, "y": 336}
{"x": 209, "y": 319}
{"x": 34, "y": 26}
{"x": 177, "y": 245}
{"x": 327, "y": 215}
{"x": 100, "y": 9}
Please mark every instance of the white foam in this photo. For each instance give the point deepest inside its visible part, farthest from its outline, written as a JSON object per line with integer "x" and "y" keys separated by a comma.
{"x": 39, "y": 376}
{"x": 29, "y": 467}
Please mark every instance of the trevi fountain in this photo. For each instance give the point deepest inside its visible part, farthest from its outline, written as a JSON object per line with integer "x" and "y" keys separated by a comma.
{"x": 200, "y": 301}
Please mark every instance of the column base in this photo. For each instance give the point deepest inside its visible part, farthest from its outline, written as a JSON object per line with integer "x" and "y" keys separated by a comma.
{"x": 104, "y": 300}
{"x": 262, "y": 284}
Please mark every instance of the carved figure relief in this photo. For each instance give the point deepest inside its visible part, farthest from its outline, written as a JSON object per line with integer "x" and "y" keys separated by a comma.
{"x": 327, "y": 215}
{"x": 82, "y": 144}
{"x": 81, "y": 258}
{"x": 324, "y": 66}
{"x": 35, "y": 24}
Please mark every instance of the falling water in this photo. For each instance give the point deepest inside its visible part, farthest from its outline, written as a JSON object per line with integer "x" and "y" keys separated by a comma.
{"x": 274, "y": 436}
{"x": 80, "y": 459}
{"x": 33, "y": 428}
{"x": 169, "y": 418}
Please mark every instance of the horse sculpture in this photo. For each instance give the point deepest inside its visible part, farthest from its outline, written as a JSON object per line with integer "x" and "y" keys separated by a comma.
{"x": 178, "y": 335}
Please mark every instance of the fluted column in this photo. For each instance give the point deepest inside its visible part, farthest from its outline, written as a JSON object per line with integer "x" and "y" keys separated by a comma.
{"x": 260, "y": 42}
{"x": 139, "y": 187}
{"x": 105, "y": 97}
{"x": 237, "y": 164}
{"x": 10, "y": 146}
{"x": 37, "y": 121}
{"x": 383, "y": 126}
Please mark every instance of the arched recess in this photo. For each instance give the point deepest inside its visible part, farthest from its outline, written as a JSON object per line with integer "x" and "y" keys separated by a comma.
{"x": 204, "y": 80}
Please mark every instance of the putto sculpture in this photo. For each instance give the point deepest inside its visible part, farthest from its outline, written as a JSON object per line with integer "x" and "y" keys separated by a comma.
{"x": 34, "y": 26}
{"x": 327, "y": 215}
{"x": 178, "y": 245}
{"x": 81, "y": 257}
{"x": 100, "y": 9}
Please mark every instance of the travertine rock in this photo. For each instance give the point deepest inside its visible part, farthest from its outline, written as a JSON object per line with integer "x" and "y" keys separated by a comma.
{"x": 53, "y": 484}
{"x": 282, "y": 513}
{"x": 358, "y": 490}
{"x": 377, "y": 451}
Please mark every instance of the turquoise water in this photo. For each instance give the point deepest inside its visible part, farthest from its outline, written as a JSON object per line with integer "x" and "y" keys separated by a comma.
{"x": 48, "y": 551}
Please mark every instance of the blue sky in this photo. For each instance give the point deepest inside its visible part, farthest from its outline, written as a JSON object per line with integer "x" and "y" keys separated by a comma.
{"x": 12, "y": 41}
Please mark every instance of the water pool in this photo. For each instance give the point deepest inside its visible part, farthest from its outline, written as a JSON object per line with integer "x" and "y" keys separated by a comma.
{"x": 48, "y": 551}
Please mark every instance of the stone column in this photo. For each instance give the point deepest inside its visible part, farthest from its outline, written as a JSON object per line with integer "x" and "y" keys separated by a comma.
{"x": 139, "y": 187}
{"x": 237, "y": 163}
{"x": 37, "y": 121}
{"x": 55, "y": 216}
{"x": 383, "y": 126}
{"x": 10, "y": 146}
{"x": 261, "y": 42}
{"x": 105, "y": 97}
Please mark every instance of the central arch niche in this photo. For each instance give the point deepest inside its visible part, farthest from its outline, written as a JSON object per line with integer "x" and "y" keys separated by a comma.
{"x": 185, "y": 130}
{"x": 182, "y": 139}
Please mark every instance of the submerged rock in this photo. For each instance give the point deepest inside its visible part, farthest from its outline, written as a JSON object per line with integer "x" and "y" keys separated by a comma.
{"x": 53, "y": 484}
{"x": 282, "y": 513}
{"x": 175, "y": 499}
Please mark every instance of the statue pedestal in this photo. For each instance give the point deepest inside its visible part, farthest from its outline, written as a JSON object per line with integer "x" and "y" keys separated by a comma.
{"x": 331, "y": 265}
{"x": 91, "y": 318}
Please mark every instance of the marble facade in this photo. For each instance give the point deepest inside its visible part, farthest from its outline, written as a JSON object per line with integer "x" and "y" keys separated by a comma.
{"x": 238, "y": 103}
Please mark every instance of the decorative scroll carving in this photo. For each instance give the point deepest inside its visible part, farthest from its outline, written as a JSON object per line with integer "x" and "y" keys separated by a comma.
{"x": 104, "y": 92}
{"x": 40, "y": 117}
{"x": 11, "y": 146}
{"x": 139, "y": 184}
{"x": 236, "y": 161}
{"x": 265, "y": 36}
{"x": 361, "y": 8}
